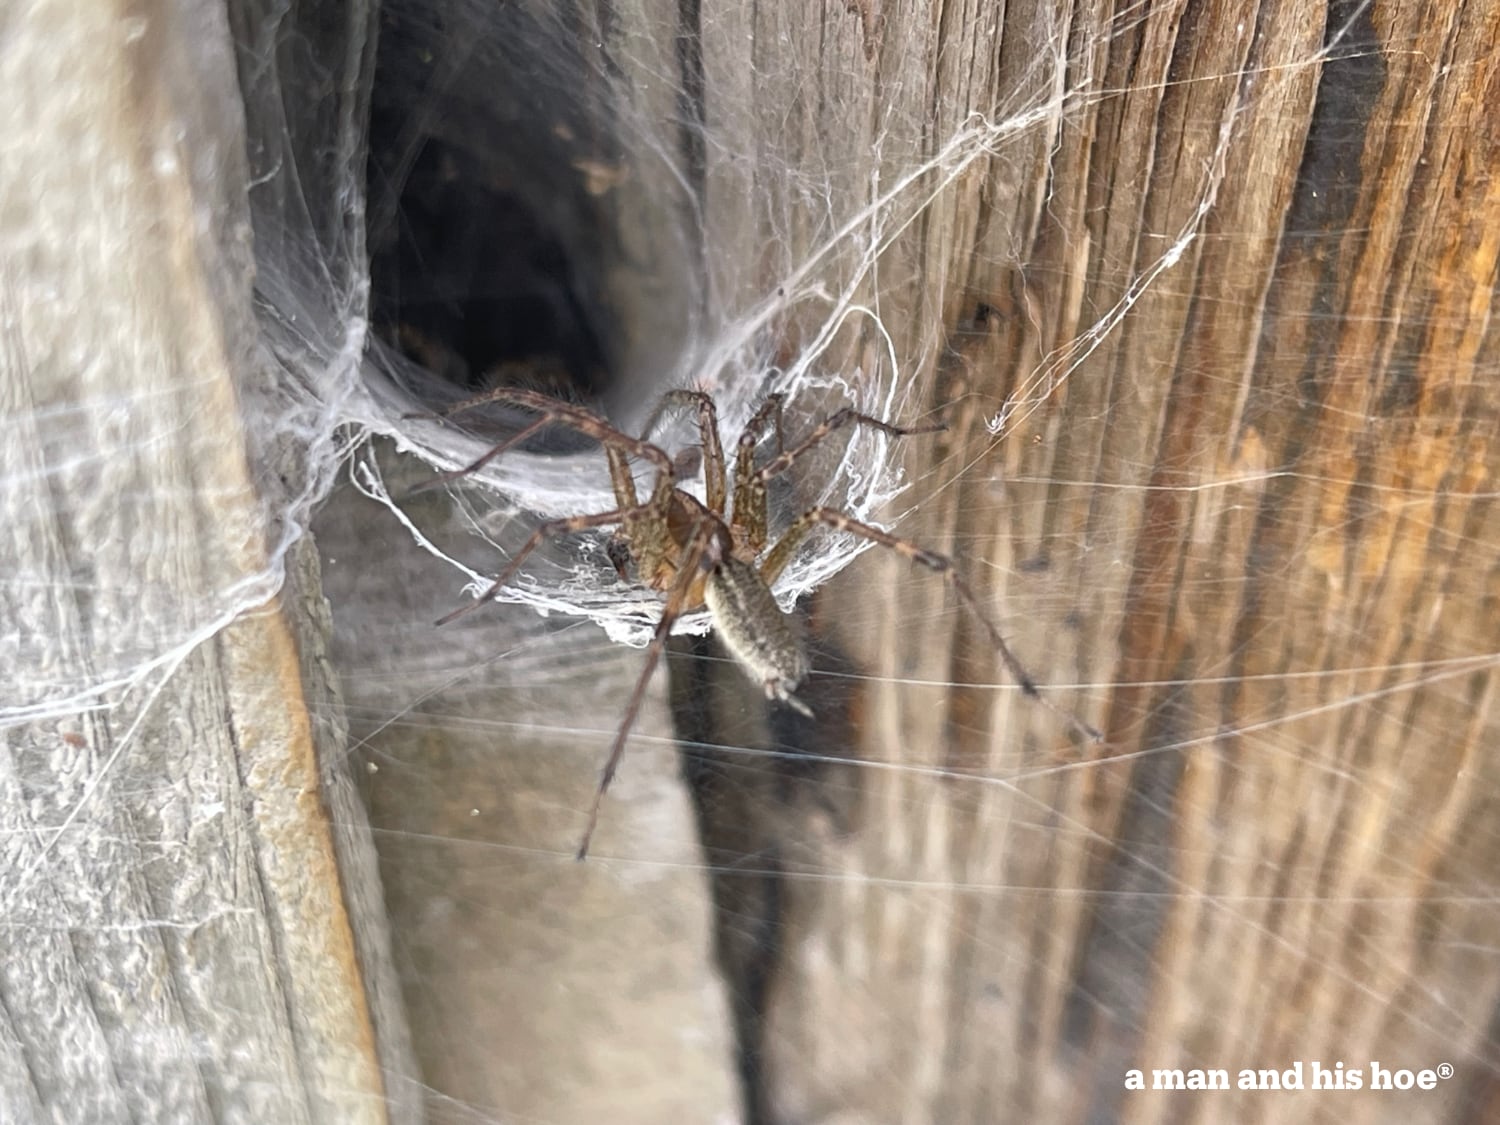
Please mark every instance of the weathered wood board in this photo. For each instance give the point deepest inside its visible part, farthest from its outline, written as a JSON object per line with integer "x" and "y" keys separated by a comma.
{"x": 189, "y": 895}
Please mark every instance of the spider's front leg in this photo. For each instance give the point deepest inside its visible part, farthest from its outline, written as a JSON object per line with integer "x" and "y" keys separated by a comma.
{"x": 699, "y": 554}
{"x": 643, "y": 527}
{"x": 579, "y": 419}
{"x": 749, "y": 519}
{"x": 836, "y": 421}
{"x": 708, "y": 438}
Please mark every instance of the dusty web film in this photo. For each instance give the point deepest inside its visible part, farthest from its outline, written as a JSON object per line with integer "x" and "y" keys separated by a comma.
{"x": 717, "y": 263}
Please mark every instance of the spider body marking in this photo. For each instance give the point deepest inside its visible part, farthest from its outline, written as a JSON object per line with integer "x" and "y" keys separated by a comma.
{"x": 713, "y": 552}
{"x": 763, "y": 640}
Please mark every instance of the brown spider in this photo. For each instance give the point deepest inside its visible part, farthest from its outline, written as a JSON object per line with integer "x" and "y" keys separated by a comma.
{"x": 704, "y": 553}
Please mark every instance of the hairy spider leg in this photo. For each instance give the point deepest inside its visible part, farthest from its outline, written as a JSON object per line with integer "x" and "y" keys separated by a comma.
{"x": 835, "y": 421}
{"x": 748, "y": 519}
{"x": 578, "y": 418}
{"x": 714, "y": 486}
{"x": 772, "y": 408}
{"x": 697, "y": 559}
{"x": 750, "y": 483}
{"x": 474, "y": 466}
{"x": 542, "y": 533}
{"x": 644, "y": 532}
{"x": 618, "y": 547}
{"x": 621, "y": 478}
{"x": 786, "y": 547}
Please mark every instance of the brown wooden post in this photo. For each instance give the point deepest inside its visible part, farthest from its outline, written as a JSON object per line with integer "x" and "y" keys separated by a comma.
{"x": 1255, "y": 526}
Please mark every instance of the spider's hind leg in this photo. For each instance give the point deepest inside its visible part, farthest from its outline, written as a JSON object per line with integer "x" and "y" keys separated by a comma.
{"x": 781, "y": 554}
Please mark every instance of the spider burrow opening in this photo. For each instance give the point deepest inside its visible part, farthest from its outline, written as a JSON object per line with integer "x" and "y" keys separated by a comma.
{"x": 503, "y": 203}
{"x": 532, "y": 225}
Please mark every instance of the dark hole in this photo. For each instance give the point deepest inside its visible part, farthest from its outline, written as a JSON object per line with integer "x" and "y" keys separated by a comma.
{"x": 475, "y": 289}
{"x": 486, "y": 246}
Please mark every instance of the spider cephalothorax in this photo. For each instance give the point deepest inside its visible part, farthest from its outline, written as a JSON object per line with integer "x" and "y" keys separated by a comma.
{"x": 712, "y": 552}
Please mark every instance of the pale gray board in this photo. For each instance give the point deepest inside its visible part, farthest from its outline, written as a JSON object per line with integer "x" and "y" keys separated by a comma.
{"x": 178, "y": 944}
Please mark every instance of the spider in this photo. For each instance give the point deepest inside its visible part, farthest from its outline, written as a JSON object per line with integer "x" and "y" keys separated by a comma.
{"x": 713, "y": 552}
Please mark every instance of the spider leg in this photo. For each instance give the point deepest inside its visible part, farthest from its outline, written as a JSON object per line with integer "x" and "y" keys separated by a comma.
{"x": 749, "y": 513}
{"x": 620, "y": 478}
{"x": 750, "y": 484}
{"x": 781, "y": 554}
{"x": 645, "y": 530}
{"x": 835, "y": 421}
{"x": 542, "y": 533}
{"x": 474, "y": 466}
{"x": 769, "y": 414}
{"x": 696, "y": 558}
{"x": 708, "y": 435}
{"x": 749, "y": 516}
{"x": 577, "y": 418}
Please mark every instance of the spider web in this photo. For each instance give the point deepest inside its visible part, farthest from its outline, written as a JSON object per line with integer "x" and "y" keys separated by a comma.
{"x": 803, "y": 320}
{"x": 835, "y": 243}
{"x": 786, "y": 260}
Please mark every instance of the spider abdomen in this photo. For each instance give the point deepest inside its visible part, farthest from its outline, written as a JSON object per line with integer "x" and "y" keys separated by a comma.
{"x": 761, "y": 637}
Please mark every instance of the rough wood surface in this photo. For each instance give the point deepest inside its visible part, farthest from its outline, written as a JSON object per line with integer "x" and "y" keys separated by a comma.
{"x": 1234, "y": 268}
{"x": 176, "y": 941}
{"x": 1256, "y": 525}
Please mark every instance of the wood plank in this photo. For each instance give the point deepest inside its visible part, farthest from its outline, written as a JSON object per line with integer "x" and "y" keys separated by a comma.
{"x": 1252, "y": 524}
{"x": 177, "y": 944}
{"x": 1222, "y": 277}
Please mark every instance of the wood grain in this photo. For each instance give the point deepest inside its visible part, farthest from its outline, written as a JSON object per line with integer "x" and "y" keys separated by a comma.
{"x": 178, "y": 945}
{"x": 1227, "y": 275}
{"x": 1255, "y": 524}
